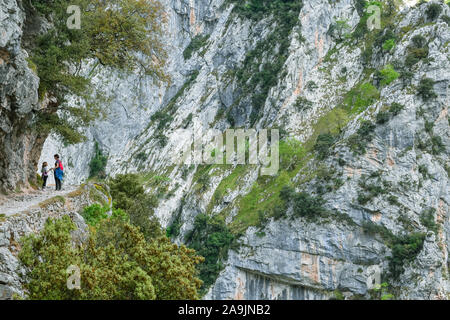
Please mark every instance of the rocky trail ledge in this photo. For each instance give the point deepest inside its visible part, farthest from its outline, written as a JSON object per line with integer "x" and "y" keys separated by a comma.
{"x": 26, "y": 201}
{"x": 27, "y": 213}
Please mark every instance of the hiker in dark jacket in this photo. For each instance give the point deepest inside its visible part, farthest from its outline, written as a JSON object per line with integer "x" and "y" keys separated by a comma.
{"x": 59, "y": 172}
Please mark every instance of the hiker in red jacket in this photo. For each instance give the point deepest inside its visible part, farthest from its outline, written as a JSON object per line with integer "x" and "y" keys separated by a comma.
{"x": 59, "y": 172}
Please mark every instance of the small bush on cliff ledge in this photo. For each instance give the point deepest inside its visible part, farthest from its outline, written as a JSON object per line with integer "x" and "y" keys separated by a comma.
{"x": 433, "y": 11}
{"x": 388, "y": 74}
{"x": 426, "y": 90}
{"x": 404, "y": 249}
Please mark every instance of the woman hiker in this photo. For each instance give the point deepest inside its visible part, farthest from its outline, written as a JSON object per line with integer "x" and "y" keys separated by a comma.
{"x": 59, "y": 172}
{"x": 45, "y": 170}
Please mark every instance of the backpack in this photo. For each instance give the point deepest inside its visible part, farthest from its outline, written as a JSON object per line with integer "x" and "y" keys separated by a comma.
{"x": 60, "y": 165}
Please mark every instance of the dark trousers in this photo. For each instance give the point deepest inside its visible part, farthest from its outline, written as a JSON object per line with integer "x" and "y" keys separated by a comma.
{"x": 44, "y": 179}
{"x": 58, "y": 183}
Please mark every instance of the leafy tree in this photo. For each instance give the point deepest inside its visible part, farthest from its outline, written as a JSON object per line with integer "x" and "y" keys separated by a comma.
{"x": 46, "y": 265}
{"x": 128, "y": 193}
{"x": 115, "y": 263}
{"x": 121, "y": 34}
{"x": 211, "y": 238}
{"x": 380, "y": 292}
{"x": 141, "y": 214}
{"x": 98, "y": 163}
{"x": 125, "y": 189}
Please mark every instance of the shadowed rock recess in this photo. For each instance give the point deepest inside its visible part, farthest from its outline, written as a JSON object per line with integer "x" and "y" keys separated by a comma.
{"x": 362, "y": 191}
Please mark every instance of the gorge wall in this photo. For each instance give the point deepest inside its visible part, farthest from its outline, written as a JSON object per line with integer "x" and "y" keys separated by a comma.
{"x": 383, "y": 179}
{"x": 20, "y": 146}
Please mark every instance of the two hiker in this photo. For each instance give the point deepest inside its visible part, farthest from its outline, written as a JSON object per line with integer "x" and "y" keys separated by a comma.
{"x": 58, "y": 172}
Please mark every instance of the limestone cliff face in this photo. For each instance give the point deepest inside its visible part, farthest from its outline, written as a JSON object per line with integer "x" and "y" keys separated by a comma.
{"x": 19, "y": 146}
{"x": 401, "y": 173}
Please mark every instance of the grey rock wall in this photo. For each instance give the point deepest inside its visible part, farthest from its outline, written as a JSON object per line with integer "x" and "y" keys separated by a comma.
{"x": 297, "y": 259}
{"x": 20, "y": 148}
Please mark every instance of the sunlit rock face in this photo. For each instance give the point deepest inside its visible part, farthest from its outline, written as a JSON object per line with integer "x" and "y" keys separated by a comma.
{"x": 292, "y": 258}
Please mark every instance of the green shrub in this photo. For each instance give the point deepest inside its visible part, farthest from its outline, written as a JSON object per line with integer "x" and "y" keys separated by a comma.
{"x": 173, "y": 230}
{"x": 141, "y": 156}
{"x": 142, "y": 215}
{"x": 411, "y": 60}
{"x": 360, "y": 97}
{"x": 393, "y": 200}
{"x": 437, "y": 146}
{"x": 396, "y": 108}
{"x": 287, "y": 193}
{"x": 419, "y": 53}
{"x": 120, "y": 214}
{"x": 94, "y": 214}
{"x": 116, "y": 263}
{"x": 426, "y": 90}
{"x": 416, "y": 51}
{"x": 418, "y": 41}
{"x": 341, "y": 29}
{"x": 162, "y": 118}
{"x": 358, "y": 141}
{"x": 382, "y": 117}
{"x": 388, "y": 45}
{"x": 211, "y": 238}
{"x": 204, "y": 181}
{"x": 98, "y": 163}
{"x": 305, "y": 205}
{"x": 161, "y": 139}
{"x": 197, "y": 43}
{"x": 429, "y": 125}
{"x": 366, "y": 128}
{"x": 415, "y": 55}
{"x": 404, "y": 249}
{"x": 423, "y": 171}
{"x": 388, "y": 74}
{"x": 311, "y": 85}
{"x": 323, "y": 144}
{"x": 302, "y": 104}
{"x": 427, "y": 220}
{"x": 371, "y": 189}
{"x": 433, "y": 11}
{"x": 125, "y": 189}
